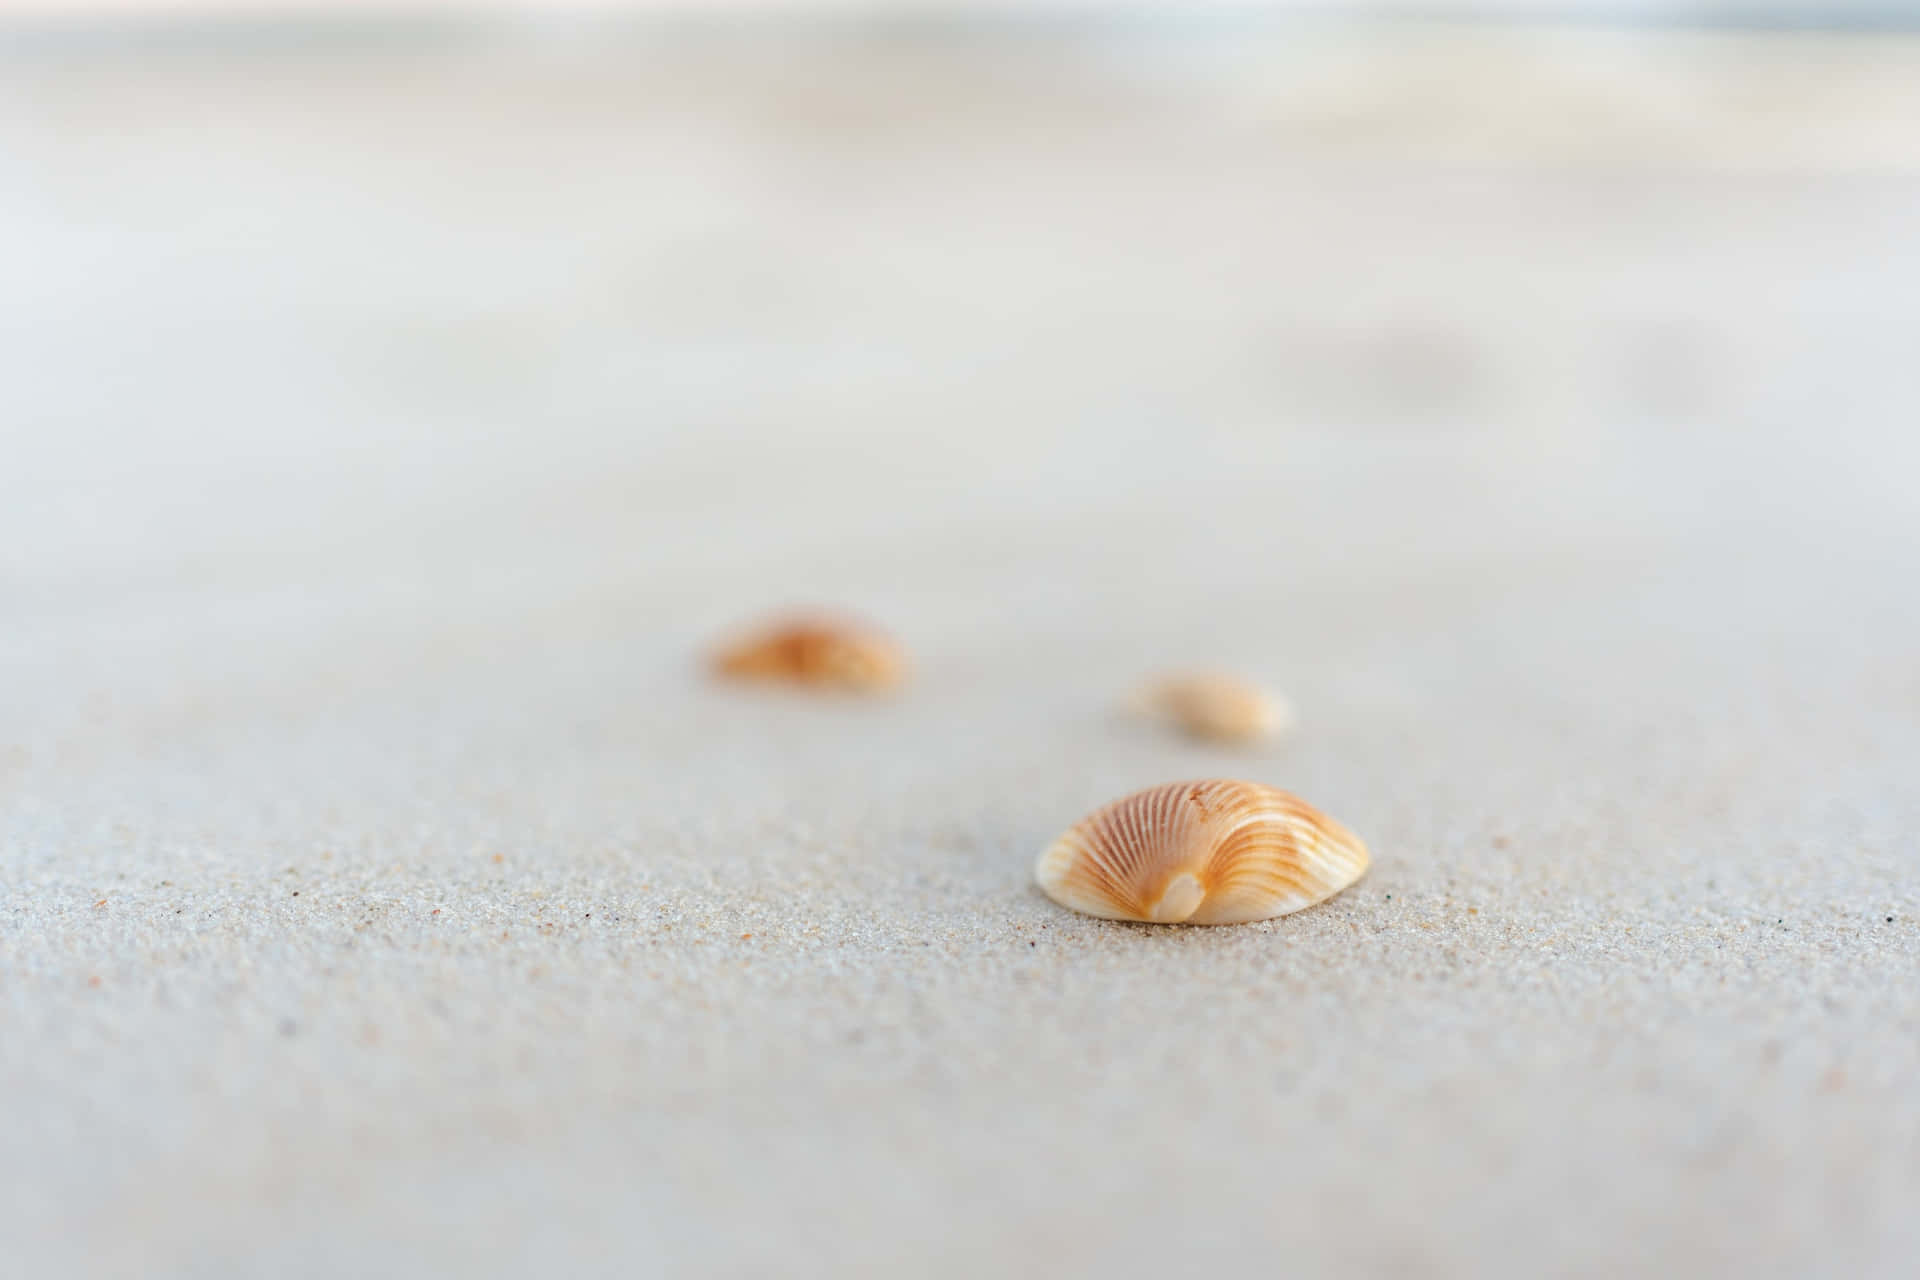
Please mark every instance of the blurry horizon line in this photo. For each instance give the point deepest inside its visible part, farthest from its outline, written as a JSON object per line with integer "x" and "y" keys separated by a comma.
{"x": 244, "y": 25}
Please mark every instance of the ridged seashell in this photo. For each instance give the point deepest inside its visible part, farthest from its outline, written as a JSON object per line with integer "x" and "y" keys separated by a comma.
{"x": 1212, "y": 852}
{"x": 815, "y": 650}
{"x": 1218, "y": 708}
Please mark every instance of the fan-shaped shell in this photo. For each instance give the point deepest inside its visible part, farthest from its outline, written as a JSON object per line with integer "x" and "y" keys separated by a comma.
{"x": 815, "y": 650}
{"x": 1212, "y": 852}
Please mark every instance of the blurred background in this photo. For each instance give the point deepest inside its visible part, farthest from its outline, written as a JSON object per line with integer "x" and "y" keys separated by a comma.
{"x": 395, "y": 400}
{"x": 407, "y": 319}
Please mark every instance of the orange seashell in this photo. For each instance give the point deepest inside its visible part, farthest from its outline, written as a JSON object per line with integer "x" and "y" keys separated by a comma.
{"x": 1218, "y": 708}
{"x": 820, "y": 651}
{"x": 1211, "y": 852}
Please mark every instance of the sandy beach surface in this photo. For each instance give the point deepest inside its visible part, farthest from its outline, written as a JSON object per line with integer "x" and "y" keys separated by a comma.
{"x": 388, "y": 426}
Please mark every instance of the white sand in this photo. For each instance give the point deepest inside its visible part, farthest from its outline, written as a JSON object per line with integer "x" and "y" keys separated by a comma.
{"x": 382, "y": 891}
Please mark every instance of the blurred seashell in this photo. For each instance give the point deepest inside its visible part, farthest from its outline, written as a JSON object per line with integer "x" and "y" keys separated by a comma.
{"x": 815, "y": 650}
{"x": 1212, "y": 852}
{"x": 1219, "y": 708}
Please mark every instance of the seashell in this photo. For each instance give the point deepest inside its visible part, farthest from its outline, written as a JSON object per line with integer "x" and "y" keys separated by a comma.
{"x": 1211, "y": 852}
{"x": 815, "y": 650}
{"x": 1218, "y": 708}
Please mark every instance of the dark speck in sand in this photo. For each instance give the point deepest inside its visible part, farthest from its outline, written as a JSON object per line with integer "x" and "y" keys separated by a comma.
{"x": 288, "y": 1026}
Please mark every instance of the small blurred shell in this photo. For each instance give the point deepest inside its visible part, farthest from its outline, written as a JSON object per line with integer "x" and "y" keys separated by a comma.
{"x": 1218, "y": 708}
{"x": 821, "y": 651}
{"x": 1212, "y": 852}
